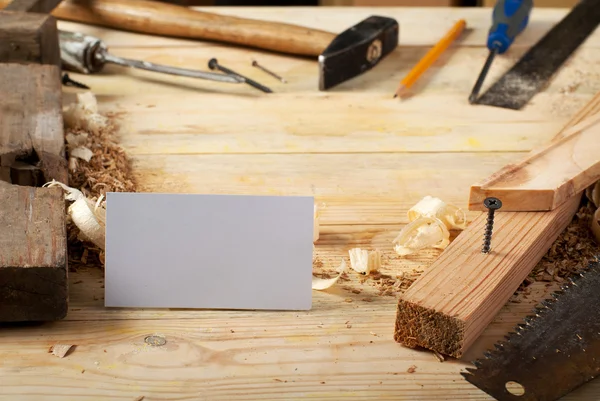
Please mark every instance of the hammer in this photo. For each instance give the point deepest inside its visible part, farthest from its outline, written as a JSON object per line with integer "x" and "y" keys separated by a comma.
{"x": 341, "y": 57}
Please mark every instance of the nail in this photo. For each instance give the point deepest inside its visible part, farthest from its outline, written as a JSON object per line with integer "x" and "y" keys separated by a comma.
{"x": 67, "y": 81}
{"x": 271, "y": 73}
{"x": 213, "y": 64}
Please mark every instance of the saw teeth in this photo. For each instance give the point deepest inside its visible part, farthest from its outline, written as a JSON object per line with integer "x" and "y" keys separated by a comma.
{"x": 477, "y": 363}
{"x": 469, "y": 371}
{"x": 499, "y": 346}
{"x": 488, "y": 354}
{"x": 521, "y": 326}
{"x": 547, "y": 303}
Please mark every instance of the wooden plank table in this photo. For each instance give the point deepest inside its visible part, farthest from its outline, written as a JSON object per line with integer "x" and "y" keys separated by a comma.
{"x": 365, "y": 156}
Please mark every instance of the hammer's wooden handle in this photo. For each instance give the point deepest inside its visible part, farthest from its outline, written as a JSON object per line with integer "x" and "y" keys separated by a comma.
{"x": 157, "y": 18}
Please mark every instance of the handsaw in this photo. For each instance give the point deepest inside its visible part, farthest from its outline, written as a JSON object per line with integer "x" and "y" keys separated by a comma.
{"x": 553, "y": 352}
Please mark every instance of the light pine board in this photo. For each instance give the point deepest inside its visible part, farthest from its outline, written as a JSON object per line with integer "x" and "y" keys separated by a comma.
{"x": 550, "y": 174}
{"x": 450, "y": 304}
{"x": 366, "y": 158}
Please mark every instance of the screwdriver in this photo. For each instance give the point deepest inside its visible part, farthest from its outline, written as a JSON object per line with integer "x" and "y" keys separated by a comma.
{"x": 87, "y": 54}
{"x": 509, "y": 19}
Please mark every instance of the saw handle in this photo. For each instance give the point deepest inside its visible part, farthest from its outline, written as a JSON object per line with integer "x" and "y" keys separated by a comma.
{"x": 157, "y": 18}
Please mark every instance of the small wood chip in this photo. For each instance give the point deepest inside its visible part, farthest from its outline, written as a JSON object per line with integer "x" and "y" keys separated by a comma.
{"x": 438, "y": 356}
{"x": 140, "y": 398}
{"x": 60, "y": 350}
{"x": 349, "y": 326}
{"x": 411, "y": 369}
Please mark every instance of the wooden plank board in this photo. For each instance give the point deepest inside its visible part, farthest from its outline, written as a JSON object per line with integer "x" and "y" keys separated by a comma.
{"x": 450, "y": 305}
{"x": 447, "y": 308}
{"x": 549, "y": 176}
{"x": 28, "y": 38}
{"x": 32, "y": 6}
{"x": 33, "y": 252}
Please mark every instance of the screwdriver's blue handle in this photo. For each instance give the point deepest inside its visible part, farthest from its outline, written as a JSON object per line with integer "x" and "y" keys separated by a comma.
{"x": 510, "y": 17}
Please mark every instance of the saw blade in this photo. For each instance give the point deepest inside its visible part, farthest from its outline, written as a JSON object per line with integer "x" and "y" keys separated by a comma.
{"x": 535, "y": 69}
{"x": 553, "y": 352}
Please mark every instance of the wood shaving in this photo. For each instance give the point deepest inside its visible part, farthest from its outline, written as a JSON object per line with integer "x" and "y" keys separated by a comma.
{"x": 438, "y": 356}
{"x": 391, "y": 286}
{"x": 108, "y": 169}
{"x": 571, "y": 253}
{"x": 363, "y": 261}
{"x": 60, "y": 350}
{"x": 411, "y": 369}
{"x": 320, "y": 283}
{"x": 429, "y": 223}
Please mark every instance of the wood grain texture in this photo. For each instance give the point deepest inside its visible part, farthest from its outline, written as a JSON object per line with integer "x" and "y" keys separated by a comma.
{"x": 548, "y": 176}
{"x": 31, "y": 127}
{"x": 450, "y": 305}
{"x": 158, "y": 18}
{"x": 33, "y": 245}
{"x": 28, "y": 38}
{"x": 32, "y": 6}
{"x": 33, "y": 254}
{"x": 471, "y": 286}
{"x": 215, "y": 139}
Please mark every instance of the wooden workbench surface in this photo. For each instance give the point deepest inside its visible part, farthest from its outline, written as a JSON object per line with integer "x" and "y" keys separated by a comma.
{"x": 366, "y": 158}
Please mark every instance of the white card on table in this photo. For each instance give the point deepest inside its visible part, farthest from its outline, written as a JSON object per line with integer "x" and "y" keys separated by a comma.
{"x": 208, "y": 251}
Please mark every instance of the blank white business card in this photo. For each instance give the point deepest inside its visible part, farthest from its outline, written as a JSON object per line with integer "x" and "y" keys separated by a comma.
{"x": 209, "y": 251}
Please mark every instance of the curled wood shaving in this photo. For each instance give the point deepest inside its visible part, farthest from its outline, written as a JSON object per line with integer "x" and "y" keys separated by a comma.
{"x": 60, "y": 350}
{"x": 88, "y": 216}
{"x": 430, "y": 222}
{"x": 422, "y": 233}
{"x": 324, "y": 283}
{"x": 453, "y": 217}
{"x": 106, "y": 169}
{"x": 363, "y": 261}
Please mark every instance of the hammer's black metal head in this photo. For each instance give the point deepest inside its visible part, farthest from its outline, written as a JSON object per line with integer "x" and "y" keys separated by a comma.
{"x": 357, "y": 50}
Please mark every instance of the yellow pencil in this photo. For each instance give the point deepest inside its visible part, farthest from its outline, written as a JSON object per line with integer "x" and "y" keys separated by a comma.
{"x": 432, "y": 55}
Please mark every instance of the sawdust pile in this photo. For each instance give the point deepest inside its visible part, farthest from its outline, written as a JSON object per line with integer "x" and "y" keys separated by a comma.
{"x": 572, "y": 251}
{"x": 97, "y": 165}
{"x": 388, "y": 285}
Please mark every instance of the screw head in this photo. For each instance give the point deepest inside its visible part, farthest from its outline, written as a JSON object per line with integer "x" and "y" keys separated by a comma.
{"x": 213, "y": 64}
{"x": 492, "y": 203}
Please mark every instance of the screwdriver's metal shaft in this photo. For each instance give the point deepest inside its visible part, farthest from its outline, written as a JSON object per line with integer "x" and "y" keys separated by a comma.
{"x": 482, "y": 75}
